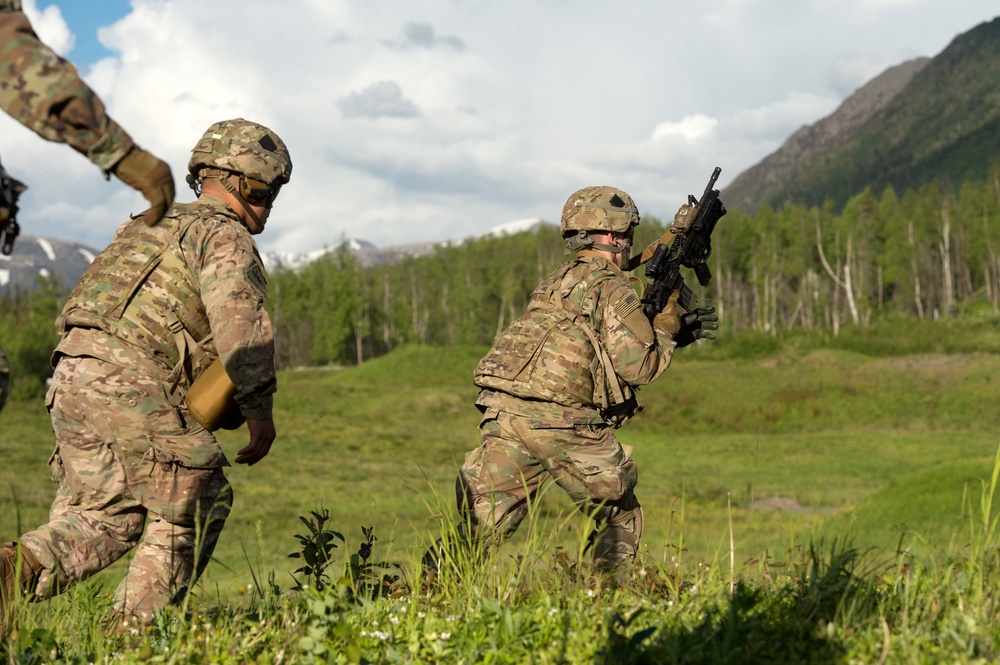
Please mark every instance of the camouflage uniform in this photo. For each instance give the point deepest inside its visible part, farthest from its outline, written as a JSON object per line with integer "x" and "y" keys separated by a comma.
{"x": 44, "y": 92}
{"x": 151, "y": 312}
{"x": 554, "y": 387}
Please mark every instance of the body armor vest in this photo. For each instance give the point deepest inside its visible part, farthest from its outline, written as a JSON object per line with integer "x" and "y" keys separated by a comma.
{"x": 553, "y": 352}
{"x": 141, "y": 291}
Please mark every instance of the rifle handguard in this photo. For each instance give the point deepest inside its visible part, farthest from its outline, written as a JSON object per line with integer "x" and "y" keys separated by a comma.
{"x": 211, "y": 399}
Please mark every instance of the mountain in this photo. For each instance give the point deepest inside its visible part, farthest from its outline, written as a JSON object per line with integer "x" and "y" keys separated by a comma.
{"x": 923, "y": 120}
{"x": 368, "y": 255}
{"x": 35, "y": 257}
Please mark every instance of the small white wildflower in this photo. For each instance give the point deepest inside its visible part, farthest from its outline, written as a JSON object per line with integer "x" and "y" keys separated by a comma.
{"x": 590, "y": 593}
{"x": 642, "y": 572}
{"x": 445, "y": 636}
{"x": 380, "y": 635}
{"x": 553, "y": 612}
{"x": 421, "y": 615}
{"x": 394, "y": 620}
{"x": 402, "y": 610}
{"x": 364, "y": 633}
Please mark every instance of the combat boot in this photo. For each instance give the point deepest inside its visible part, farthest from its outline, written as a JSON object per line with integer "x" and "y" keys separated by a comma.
{"x": 25, "y": 571}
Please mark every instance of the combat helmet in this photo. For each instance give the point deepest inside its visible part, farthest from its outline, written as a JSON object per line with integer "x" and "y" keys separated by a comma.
{"x": 599, "y": 208}
{"x": 246, "y": 151}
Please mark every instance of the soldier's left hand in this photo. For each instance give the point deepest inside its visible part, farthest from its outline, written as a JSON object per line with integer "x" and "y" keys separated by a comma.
{"x": 147, "y": 173}
{"x": 697, "y": 324}
{"x": 682, "y": 222}
{"x": 262, "y": 435}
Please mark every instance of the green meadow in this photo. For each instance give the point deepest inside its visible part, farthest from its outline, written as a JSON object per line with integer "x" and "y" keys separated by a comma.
{"x": 814, "y": 501}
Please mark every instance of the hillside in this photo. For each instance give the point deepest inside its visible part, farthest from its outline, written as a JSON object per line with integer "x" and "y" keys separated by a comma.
{"x": 941, "y": 124}
{"x": 767, "y": 180}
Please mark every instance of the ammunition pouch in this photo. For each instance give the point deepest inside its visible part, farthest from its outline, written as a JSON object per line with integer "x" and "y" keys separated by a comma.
{"x": 211, "y": 399}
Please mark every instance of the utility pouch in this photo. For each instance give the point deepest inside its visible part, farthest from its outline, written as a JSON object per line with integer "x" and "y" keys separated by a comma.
{"x": 211, "y": 399}
{"x": 617, "y": 414}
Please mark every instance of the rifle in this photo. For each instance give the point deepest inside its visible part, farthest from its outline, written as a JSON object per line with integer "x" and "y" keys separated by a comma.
{"x": 10, "y": 189}
{"x": 690, "y": 248}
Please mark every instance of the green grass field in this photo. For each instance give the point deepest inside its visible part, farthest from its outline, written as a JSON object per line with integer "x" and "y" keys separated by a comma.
{"x": 745, "y": 461}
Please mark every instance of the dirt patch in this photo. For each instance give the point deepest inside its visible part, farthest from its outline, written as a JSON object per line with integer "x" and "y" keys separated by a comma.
{"x": 789, "y": 505}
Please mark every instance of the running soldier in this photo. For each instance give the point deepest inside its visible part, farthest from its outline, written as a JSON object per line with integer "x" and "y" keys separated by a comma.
{"x": 152, "y": 312}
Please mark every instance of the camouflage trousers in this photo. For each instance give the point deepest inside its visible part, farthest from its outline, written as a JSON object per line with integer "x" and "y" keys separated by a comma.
{"x": 125, "y": 460}
{"x": 518, "y": 454}
{"x": 4, "y": 379}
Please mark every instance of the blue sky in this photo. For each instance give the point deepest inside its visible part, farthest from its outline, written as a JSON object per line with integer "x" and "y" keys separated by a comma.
{"x": 84, "y": 17}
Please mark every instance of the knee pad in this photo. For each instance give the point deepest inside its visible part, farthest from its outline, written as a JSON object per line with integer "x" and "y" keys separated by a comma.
{"x": 616, "y": 539}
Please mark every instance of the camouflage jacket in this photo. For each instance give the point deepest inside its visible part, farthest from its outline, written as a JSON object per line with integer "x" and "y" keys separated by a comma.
{"x": 578, "y": 352}
{"x": 44, "y": 92}
{"x": 169, "y": 299}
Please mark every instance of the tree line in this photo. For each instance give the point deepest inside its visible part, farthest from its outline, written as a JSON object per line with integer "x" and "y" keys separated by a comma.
{"x": 920, "y": 254}
{"x": 923, "y": 254}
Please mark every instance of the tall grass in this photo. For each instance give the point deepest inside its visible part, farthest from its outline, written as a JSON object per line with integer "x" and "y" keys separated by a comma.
{"x": 537, "y": 601}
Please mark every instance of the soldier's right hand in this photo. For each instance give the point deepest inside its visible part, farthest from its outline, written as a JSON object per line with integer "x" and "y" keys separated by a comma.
{"x": 147, "y": 173}
{"x": 696, "y": 325}
{"x": 262, "y": 435}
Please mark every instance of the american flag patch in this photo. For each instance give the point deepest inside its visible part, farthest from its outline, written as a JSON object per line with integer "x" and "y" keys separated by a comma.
{"x": 627, "y": 305}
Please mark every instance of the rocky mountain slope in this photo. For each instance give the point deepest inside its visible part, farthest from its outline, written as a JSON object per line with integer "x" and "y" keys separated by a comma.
{"x": 923, "y": 121}
{"x": 767, "y": 180}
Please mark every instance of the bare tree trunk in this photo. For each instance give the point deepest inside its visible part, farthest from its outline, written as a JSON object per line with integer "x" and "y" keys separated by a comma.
{"x": 387, "y": 311}
{"x": 917, "y": 294}
{"x": 449, "y": 328}
{"x": 944, "y": 247}
{"x": 879, "y": 287}
{"x": 844, "y": 283}
{"x": 418, "y": 322}
{"x": 500, "y": 319}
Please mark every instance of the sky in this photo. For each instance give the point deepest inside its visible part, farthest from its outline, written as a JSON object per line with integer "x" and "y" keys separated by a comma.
{"x": 437, "y": 120}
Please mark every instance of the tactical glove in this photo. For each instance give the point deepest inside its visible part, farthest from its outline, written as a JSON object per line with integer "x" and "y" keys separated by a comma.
{"x": 668, "y": 322}
{"x": 148, "y": 174}
{"x": 696, "y": 324}
{"x": 682, "y": 222}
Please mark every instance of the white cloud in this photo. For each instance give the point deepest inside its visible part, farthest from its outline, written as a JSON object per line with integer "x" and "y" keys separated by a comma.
{"x": 691, "y": 128}
{"x": 428, "y": 120}
{"x": 50, "y": 27}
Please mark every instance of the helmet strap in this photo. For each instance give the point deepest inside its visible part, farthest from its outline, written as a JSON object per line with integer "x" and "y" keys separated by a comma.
{"x": 582, "y": 241}
{"x": 226, "y": 179}
{"x": 258, "y": 225}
